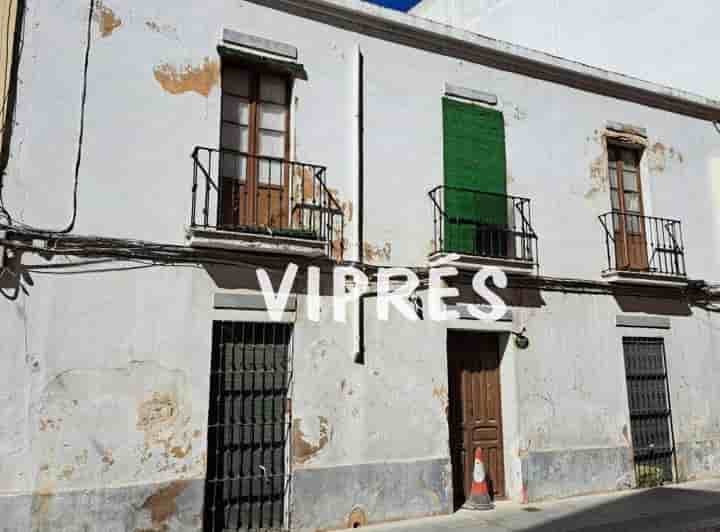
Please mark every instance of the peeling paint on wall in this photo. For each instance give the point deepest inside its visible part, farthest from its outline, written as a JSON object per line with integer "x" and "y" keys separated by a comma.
{"x": 155, "y": 414}
{"x": 120, "y": 424}
{"x": 598, "y": 176}
{"x": 659, "y": 156}
{"x": 373, "y": 253}
{"x": 304, "y": 450}
{"x": 345, "y": 206}
{"x": 162, "y": 504}
{"x": 106, "y": 19}
{"x": 163, "y": 29}
{"x": 441, "y": 394}
{"x": 188, "y": 78}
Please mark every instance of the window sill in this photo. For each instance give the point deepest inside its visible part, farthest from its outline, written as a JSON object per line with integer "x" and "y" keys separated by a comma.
{"x": 645, "y": 278}
{"x": 255, "y": 242}
{"x": 474, "y": 263}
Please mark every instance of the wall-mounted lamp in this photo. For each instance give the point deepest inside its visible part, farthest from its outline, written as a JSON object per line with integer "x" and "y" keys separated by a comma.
{"x": 521, "y": 341}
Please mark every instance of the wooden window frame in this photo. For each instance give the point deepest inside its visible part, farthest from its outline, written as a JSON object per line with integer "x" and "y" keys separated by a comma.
{"x": 637, "y": 150}
{"x": 252, "y": 179}
{"x": 630, "y": 242}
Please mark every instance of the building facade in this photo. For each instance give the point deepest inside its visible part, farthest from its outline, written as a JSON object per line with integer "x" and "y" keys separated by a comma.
{"x": 166, "y": 152}
{"x": 661, "y": 41}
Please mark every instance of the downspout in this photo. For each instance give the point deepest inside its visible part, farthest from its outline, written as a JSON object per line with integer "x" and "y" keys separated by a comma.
{"x": 358, "y": 195}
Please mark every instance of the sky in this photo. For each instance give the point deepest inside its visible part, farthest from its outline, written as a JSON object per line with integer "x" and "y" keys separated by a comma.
{"x": 402, "y": 5}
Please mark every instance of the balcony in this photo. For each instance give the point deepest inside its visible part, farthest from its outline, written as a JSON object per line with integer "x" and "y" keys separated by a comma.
{"x": 484, "y": 229}
{"x": 263, "y": 204}
{"x": 643, "y": 249}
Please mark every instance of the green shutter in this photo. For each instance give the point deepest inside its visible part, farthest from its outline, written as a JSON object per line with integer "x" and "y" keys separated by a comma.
{"x": 474, "y": 158}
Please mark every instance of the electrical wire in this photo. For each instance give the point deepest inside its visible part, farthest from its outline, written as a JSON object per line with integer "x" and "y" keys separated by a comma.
{"x": 9, "y": 93}
{"x": 79, "y": 154}
{"x": 173, "y": 255}
{"x": 94, "y": 270}
{"x": 6, "y": 82}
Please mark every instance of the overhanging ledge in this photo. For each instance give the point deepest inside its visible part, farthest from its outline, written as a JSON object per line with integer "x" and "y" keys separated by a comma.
{"x": 409, "y": 30}
{"x": 295, "y": 70}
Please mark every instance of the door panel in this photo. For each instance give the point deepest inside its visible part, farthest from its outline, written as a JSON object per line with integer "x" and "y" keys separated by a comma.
{"x": 626, "y": 198}
{"x": 254, "y": 137}
{"x": 475, "y": 413}
{"x": 272, "y": 173}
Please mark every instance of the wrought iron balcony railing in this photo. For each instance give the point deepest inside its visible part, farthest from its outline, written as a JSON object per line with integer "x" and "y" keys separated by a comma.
{"x": 241, "y": 192}
{"x": 483, "y": 224}
{"x": 643, "y": 244}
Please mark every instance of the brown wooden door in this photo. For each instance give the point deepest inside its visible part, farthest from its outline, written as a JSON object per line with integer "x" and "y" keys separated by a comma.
{"x": 626, "y": 199}
{"x": 255, "y": 144}
{"x": 475, "y": 418}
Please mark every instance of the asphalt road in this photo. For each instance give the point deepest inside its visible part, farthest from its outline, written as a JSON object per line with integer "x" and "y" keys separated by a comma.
{"x": 690, "y": 507}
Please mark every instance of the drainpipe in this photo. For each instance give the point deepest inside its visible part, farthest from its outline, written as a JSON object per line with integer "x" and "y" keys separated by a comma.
{"x": 358, "y": 195}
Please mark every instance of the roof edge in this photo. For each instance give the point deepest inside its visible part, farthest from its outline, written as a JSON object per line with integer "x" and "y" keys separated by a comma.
{"x": 416, "y": 32}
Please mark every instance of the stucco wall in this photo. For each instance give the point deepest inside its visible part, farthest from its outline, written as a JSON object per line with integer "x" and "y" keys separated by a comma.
{"x": 90, "y": 362}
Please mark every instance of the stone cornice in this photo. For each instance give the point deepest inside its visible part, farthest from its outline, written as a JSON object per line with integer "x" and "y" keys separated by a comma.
{"x": 415, "y": 32}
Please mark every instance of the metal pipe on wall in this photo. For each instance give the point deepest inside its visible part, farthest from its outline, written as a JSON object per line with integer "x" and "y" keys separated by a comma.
{"x": 358, "y": 195}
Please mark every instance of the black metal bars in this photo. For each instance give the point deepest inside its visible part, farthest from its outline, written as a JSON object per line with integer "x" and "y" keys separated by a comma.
{"x": 241, "y": 192}
{"x": 650, "y": 413}
{"x": 248, "y": 474}
{"x": 483, "y": 224}
{"x": 644, "y": 243}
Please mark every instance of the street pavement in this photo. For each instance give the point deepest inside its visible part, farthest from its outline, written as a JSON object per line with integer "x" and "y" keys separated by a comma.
{"x": 688, "y": 507}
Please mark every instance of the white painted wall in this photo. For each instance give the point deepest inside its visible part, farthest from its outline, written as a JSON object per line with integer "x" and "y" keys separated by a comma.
{"x": 664, "y": 41}
{"x": 111, "y": 341}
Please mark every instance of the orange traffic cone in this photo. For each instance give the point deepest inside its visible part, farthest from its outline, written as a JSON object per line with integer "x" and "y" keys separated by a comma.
{"x": 479, "y": 494}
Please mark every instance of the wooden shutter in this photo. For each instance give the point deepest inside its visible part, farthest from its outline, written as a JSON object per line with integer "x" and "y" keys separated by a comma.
{"x": 474, "y": 158}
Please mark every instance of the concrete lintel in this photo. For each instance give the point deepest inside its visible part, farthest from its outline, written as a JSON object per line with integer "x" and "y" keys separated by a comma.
{"x": 259, "y": 43}
{"x": 228, "y": 301}
{"x": 476, "y": 262}
{"x": 626, "y": 128}
{"x": 462, "y": 308}
{"x": 260, "y": 243}
{"x": 470, "y": 94}
{"x": 644, "y": 278}
{"x": 646, "y": 322}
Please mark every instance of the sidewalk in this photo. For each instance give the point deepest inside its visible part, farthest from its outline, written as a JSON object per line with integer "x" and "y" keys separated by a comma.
{"x": 693, "y": 506}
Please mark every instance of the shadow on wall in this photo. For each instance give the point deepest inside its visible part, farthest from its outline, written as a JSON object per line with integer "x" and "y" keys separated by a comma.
{"x": 14, "y": 278}
{"x": 662, "y": 306}
{"x": 521, "y": 297}
{"x": 245, "y": 278}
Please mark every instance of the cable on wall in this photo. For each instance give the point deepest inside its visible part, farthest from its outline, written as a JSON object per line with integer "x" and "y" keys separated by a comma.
{"x": 7, "y": 58}
{"x": 81, "y": 136}
{"x": 12, "y": 66}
